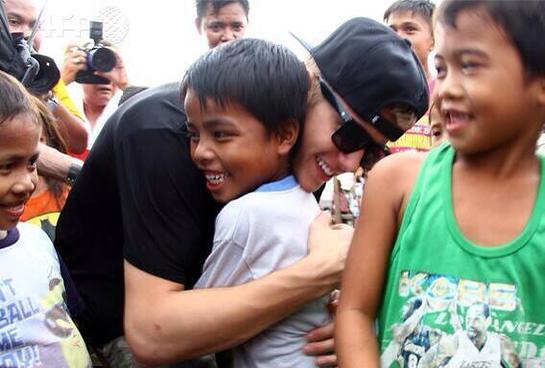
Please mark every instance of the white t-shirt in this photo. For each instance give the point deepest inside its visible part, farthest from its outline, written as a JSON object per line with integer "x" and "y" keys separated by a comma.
{"x": 35, "y": 328}
{"x": 256, "y": 234}
{"x": 76, "y": 93}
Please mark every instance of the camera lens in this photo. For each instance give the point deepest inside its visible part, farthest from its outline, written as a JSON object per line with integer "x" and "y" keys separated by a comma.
{"x": 101, "y": 59}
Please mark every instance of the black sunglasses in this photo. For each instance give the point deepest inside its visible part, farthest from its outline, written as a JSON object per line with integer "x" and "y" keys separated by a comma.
{"x": 351, "y": 136}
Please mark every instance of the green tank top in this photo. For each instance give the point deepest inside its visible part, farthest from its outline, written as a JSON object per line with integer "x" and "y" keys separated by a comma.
{"x": 441, "y": 287}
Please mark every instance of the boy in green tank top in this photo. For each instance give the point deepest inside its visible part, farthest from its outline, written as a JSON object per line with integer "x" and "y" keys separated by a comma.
{"x": 447, "y": 264}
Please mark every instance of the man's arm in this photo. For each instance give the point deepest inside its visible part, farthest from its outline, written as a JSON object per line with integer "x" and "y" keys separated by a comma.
{"x": 57, "y": 165}
{"x": 164, "y": 323}
{"x": 72, "y": 122}
{"x": 72, "y": 129}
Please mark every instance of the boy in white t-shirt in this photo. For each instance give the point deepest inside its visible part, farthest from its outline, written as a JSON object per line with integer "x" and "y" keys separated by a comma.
{"x": 242, "y": 140}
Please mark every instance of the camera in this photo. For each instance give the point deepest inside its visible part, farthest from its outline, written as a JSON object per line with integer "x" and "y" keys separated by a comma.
{"x": 98, "y": 57}
{"x": 40, "y": 73}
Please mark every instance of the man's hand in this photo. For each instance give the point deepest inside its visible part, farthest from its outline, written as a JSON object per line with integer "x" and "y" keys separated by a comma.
{"x": 320, "y": 343}
{"x": 328, "y": 245}
{"x": 75, "y": 60}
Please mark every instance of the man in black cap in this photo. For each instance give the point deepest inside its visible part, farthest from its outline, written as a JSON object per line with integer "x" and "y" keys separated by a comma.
{"x": 140, "y": 199}
{"x": 390, "y": 107}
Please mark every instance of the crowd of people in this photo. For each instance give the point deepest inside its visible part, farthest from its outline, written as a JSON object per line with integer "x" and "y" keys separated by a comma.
{"x": 179, "y": 225}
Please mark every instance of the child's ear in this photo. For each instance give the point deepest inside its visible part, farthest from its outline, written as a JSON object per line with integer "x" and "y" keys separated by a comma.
{"x": 287, "y": 136}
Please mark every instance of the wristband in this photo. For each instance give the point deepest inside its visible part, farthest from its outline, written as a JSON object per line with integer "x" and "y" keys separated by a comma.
{"x": 72, "y": 174}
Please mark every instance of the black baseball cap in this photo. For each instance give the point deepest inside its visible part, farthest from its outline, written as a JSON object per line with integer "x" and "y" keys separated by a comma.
{"x": 371, "y": 67}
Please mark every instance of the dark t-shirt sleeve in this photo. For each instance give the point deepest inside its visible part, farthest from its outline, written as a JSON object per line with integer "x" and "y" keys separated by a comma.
{"x": 167, "y": 213}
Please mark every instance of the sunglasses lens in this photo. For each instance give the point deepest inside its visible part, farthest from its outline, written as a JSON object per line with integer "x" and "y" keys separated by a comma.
{"x": 350, "y": 137}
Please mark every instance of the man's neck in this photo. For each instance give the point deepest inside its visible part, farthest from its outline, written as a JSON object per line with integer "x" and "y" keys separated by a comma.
{"x": 92, "y": 113}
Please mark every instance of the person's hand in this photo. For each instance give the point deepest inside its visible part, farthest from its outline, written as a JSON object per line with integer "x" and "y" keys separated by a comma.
{"x": 328, "y": 245}
{"x": 321, "y": 345}
{"x": 75, "y": 59}
{"x": 320, "y": 341}
{"x": 118, "y": 75}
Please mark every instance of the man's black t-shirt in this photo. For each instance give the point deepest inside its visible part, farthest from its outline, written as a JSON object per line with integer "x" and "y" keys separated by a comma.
{"x": 138, "y": 197}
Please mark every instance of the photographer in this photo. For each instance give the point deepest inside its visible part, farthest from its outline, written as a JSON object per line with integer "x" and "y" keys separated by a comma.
{"x": 99, "y": 100}
{"x": 22, "y": 17}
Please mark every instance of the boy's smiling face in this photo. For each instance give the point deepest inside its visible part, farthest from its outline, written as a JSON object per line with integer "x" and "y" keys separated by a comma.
{"x": 19, "y": 139}
{"x": 481, "y": 88}
{"x": 233, "y": 149}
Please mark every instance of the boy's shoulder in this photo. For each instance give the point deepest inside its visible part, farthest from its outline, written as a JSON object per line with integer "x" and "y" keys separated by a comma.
{"x": 34, "y": 235}
{"x": 266, "y": 200}
{"x": 267, "y": 205}
{"x": 407, "y": 164}
{"x": 392, "y": 179}
{"x": 28, "y": 229}
{"x": 401, "y": 167}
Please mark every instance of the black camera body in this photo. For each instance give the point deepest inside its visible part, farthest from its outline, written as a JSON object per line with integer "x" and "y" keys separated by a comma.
{"x": 98, "y": 57}
{"x": 40, "y": 72}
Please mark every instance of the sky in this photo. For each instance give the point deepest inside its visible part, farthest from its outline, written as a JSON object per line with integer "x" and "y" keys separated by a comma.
{"x": 158, "y": 39}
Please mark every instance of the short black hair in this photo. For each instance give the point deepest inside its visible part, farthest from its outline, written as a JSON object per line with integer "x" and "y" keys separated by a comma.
{"x": 423, "y": 7}
{"x": 523, "y": 22}
{"x": 264, "y": 78}
{"x": 202, "y": 5}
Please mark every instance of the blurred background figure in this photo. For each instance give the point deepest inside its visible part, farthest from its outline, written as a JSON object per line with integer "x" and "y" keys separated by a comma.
{"x": 98, "y": 101}
{"x": 221, "y": 21}
{"x": 47, "y": 201}
{"x": 437, "y": 126}
{"x": 101, "y": 77}
{"x": 22, "y": 17}
{"x": 412, "y": 20}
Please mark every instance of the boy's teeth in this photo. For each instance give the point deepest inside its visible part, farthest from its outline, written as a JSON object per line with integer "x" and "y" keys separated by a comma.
{"x": 215, "y": 179}
{"x": 324, "y": 166}
{"x": 16, "y": 207}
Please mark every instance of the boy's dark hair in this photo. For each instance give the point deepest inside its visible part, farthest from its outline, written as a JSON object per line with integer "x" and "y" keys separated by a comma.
{"x": 423, "y": 7}
{"x": 264, "y": 78}
{"x": 202, "y": 5}
{"x": 15, "y": 100}
{"x": 523, "y": 22}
